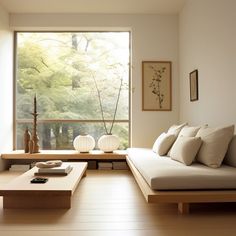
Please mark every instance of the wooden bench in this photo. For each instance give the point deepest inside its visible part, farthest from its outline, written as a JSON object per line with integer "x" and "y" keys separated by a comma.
{"x": 183, "y": 198}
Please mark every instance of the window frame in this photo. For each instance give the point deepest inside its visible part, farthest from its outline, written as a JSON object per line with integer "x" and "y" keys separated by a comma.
{"x": 46, "y": 121}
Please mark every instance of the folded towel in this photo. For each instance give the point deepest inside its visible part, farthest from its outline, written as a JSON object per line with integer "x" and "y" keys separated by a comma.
{"x": 120, "y": 165}
{"x": 105, "y": 164}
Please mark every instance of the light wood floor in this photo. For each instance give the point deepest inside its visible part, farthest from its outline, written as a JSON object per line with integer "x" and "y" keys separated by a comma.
{"x": 110, "y": 203}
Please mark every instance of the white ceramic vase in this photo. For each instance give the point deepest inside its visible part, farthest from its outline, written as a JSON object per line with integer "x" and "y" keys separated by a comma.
{"x": 108, "y": 142}
{"x": 84, "y": 143}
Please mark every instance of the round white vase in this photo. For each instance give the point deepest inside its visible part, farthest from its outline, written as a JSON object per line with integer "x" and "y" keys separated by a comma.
{"x": 108, "y": 142}
{"x": 84, "y": 143}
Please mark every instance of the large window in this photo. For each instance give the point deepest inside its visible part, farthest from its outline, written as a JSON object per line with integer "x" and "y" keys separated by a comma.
{"x": 81, "y": 79}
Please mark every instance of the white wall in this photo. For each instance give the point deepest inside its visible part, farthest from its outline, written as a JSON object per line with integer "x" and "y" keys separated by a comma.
{"x": 207, "y": 36}
{"x": 154, "y": 37}
{"x": 6, "y": 89}
{"x": 207, "y": 33}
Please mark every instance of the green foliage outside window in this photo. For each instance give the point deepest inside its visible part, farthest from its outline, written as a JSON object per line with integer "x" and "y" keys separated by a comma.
{"x": 60, "y": 69}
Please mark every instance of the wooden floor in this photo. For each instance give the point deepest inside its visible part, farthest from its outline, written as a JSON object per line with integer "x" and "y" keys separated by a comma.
{"x": 110, "y": 203}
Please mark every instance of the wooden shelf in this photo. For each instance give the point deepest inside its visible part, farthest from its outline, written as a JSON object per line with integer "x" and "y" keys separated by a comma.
{"x": 66, "y": 154}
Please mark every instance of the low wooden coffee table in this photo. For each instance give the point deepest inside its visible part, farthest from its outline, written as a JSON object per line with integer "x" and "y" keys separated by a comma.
{"x": 55, "y": 193}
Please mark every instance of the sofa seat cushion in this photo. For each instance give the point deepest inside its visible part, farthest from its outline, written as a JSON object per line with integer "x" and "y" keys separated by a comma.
{"x": 166, "y": 174}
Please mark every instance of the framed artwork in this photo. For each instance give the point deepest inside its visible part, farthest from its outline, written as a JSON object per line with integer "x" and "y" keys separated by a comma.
{"x": 156, "y": 86}
{"x": 193, "y": 81}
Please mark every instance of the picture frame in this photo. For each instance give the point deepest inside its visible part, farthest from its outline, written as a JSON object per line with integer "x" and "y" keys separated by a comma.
{"x": 156, "y": 86}
{"x": 193, "y": 83}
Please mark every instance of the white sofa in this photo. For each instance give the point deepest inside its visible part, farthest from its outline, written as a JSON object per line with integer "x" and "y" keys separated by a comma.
{"x": 163, "y": 179}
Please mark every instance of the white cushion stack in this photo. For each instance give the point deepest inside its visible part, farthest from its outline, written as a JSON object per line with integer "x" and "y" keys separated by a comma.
{"x": 206, "y": 145}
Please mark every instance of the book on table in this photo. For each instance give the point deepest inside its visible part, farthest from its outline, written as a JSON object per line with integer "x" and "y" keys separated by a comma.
{"x": 19, "y": 167}
{"x": 65, "y": 168}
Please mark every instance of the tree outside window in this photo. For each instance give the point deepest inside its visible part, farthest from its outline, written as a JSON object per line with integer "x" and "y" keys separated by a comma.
{"x": 60, "y": 68}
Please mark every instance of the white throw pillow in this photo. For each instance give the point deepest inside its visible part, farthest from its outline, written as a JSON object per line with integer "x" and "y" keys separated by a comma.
{"x": 215, "y": 143}
{"x": 230, "y": 157}
{"x": 175, "y": 129}
{"x": 189, "y": 131}
{"x": 185, "y": 149}
{"x": 163, "y": 143}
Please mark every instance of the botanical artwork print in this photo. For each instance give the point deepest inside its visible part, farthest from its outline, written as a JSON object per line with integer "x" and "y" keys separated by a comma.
{"x": 156, "y": 85}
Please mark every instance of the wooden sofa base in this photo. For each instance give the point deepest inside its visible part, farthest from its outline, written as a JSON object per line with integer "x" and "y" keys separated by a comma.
{"x": 182, "y": 197}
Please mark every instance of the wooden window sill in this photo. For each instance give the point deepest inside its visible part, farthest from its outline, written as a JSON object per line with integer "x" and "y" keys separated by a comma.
{"x": 66, "y": 154}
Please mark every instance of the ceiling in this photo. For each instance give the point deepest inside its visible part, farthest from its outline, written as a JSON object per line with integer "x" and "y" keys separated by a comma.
{"x": 94, "y": 6}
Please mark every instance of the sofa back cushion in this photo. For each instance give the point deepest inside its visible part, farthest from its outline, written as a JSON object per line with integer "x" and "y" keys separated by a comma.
{"x": 185, "y": 149}
{"x": 175, "y": 129}
{"x": 230, "y": 158}
{"x": 214, "y": 146}
{"x": 163, "y": 143}
{"x": 189, "y": 131}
